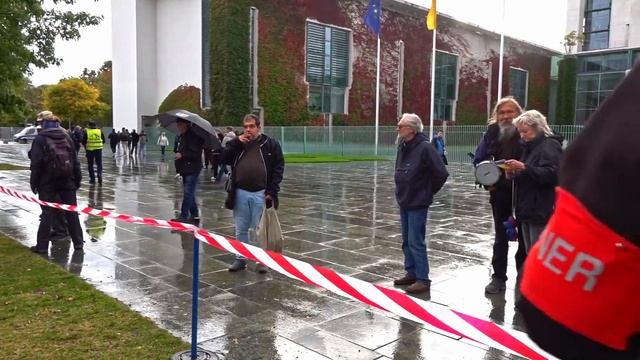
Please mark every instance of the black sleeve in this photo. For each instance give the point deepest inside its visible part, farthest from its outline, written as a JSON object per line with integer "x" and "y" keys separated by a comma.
{"x": 545, "y": 171}
{"x": 278, "y": 169}
{"x": 231, "y": 151}
{"x": 102, "y": 135}
{"x": 191, "y": 149}
{"x": 84, "y": 138}
{"x": 37, "y": 161}
{"x": 435, "y": 168}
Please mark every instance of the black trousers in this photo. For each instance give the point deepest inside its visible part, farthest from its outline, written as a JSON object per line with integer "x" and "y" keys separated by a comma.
{"x": 48, "y": 214}
{"x": 94, "y": 156}
{"x": 134, "y": 148}
{"x": 501, "y": 207}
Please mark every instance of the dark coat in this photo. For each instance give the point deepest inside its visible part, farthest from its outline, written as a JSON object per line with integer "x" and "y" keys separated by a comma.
{"x": 491, "y": 147}
{"x": 42, "y": 180}
{"x": 273, "y": 159}
{"x": 535, "y": 185}
{"x": 420, "y": 173}
{"x": 190, "y": 147}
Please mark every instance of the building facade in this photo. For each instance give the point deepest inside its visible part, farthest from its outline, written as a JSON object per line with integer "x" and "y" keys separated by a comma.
{"x": 307, "y": 62}
{"x": 611, "y": 46}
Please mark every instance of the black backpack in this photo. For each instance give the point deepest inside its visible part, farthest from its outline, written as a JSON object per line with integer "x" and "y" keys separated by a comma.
{"x": 59, "y": 155}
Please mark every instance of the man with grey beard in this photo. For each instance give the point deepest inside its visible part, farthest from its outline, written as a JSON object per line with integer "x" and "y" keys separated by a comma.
{"x": 501, "y": 141}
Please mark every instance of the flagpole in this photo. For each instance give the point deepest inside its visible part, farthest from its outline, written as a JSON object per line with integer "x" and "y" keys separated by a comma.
{"x": 433, "y": 85}
{"x": 504, "y": 4}
{"x": 377, "y": 93}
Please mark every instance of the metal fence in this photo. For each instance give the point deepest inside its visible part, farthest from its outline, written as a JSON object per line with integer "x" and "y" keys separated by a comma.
{"x": 351, "y": 140}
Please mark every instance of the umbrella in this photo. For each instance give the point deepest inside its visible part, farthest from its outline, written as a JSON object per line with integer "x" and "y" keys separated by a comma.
{"x": 201, "y": 127}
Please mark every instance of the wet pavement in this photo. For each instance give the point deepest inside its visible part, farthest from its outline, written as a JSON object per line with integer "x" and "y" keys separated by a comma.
{"x": 342, "y": 216}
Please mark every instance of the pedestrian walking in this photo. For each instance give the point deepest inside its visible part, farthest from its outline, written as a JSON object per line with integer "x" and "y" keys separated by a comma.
{"x": 228, "y": 136}
{"x": 135, "y": 138}
{"x": 163, "y": 142}
{"x": 419, "y": 174}
{"x": 143, "y": 143}
{"x": 438, "y": 142}
{"x": 55, "y": 176}
{"x": 114, "y": 139}
{"x": 188, "y": 163}
{"x": 257, "y": 167}
{"x": 93, "y": 142}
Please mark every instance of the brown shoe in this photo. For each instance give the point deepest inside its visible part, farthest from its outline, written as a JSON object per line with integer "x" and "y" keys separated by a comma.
{"x": 418, "y": 287}
{"x": 406, "y": 280}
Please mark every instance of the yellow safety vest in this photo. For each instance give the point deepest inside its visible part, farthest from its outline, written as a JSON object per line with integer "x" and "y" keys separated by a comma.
{"x": 94, "y": 139}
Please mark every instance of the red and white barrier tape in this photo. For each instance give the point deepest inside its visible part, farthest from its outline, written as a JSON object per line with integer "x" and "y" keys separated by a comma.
{"x": 437, "y": 317}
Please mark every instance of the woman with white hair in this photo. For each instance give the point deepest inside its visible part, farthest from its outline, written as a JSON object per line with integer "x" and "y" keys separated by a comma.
{"x": 535, "y": 174}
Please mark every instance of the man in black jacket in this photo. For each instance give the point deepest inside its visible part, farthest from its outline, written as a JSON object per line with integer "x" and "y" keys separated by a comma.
{"x": 420, "y": 173}
{"x": 51, "y": 182}
{"x": 135, "y": 137}
{"x": 257, "y": 168}
{"x": 188, "y": 164}
{"x": 501, "y": 142}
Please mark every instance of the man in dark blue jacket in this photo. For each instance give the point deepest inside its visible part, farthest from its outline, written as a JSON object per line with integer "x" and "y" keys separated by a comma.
{"x": 257, "y": 169}
{"x": 55, "y": 176}
{"x": 188, "y": 164}
{"x": 420, "y": 173}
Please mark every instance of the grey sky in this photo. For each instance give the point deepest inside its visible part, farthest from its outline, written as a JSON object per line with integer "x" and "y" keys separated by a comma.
{"x": 538, "y": 21}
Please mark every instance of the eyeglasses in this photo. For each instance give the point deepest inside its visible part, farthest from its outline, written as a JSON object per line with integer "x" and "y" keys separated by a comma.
{"x": 401, "y": 126}
{"x": 249, "y": 126}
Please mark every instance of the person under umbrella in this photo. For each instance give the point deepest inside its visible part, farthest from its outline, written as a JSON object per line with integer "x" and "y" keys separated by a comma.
{"x": 188, "y": 164}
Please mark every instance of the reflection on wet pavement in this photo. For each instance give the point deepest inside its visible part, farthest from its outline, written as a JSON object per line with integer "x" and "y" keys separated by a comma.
{"x": 341, "y": 216}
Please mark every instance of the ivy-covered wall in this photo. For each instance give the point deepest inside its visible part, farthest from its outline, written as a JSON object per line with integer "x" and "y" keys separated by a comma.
{"x": 281, "y": 57}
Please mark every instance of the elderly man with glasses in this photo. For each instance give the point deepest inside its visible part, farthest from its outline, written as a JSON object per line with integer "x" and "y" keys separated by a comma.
{"x": 419, "y": 174}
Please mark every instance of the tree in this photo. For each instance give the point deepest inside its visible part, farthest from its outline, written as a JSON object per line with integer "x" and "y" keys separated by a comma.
{"x": 185, "y": 97}
{"x": 572, "y": 39}
{"x": 27, "y": 39}
{"x": 102, "y": 80}
{"x": 75, "y": 101}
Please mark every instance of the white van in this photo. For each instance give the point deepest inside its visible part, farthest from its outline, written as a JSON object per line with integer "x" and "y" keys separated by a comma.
{"x": 26, "y": 135}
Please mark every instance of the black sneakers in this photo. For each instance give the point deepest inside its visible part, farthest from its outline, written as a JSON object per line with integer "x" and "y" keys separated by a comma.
{"x": 495, "y": 286}
{"x": 238, "y": 265}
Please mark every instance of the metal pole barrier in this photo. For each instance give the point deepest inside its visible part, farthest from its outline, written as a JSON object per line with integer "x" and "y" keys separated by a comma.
{"x": 195, "y": 353}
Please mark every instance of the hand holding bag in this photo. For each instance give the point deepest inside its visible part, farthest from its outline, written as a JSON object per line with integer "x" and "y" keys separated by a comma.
{"x": 269, "y": 231}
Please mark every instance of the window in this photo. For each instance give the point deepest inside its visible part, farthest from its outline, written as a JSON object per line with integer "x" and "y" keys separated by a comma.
{"x": 518, "y": 85}
{"x": 597, "y": 15}
{"x": 328, "y": 68}
{"x": 446, "y": 85}
{"x": 636, "y": 57}
{"x": 597, "y": 76}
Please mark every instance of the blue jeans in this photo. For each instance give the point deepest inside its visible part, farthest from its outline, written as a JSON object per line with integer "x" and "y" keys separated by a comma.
{"x": 414, "y": 246}
{"x": 189, "y": 207}
{"x": 246, "y": 213}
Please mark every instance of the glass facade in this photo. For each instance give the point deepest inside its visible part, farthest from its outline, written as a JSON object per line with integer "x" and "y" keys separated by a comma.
{"x": 446, "y": 85}
{"x": 328, "y": 67}
{"x": 518, "y": 85}
{"x": 597, "y": 16}
{"x": 597, "y": 76}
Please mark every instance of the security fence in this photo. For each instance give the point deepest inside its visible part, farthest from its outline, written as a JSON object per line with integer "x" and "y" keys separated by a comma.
{"x": 350, "y": 140}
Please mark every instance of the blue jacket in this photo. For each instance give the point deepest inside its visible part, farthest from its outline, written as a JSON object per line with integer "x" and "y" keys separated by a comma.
{"x": 438, "y": 142}
{"x": 420, "y": 173}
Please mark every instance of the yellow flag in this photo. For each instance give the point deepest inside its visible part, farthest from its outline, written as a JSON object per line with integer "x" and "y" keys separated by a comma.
{"x": 432, "y": 21}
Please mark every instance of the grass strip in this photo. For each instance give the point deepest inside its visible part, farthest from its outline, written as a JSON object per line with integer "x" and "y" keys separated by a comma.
{"x": 294, "y": 158}
{"x": 5, "y": 166}
{"x": 48, "y": 313}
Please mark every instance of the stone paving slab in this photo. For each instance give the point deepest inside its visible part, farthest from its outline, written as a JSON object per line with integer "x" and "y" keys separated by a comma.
{"x": 342, "y": 216}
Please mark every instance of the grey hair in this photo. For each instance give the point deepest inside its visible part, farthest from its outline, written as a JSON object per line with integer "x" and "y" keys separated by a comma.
{"x": 535, "y": 120}
{"x": 413, "y": 121}
{"x": 504, "y": 100}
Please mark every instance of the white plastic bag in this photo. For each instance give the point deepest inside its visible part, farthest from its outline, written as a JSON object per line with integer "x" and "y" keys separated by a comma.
{"x": 269, "y": 231}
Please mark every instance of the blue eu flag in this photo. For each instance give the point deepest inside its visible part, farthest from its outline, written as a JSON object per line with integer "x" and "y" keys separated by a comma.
{"x": 372, "y": 17}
